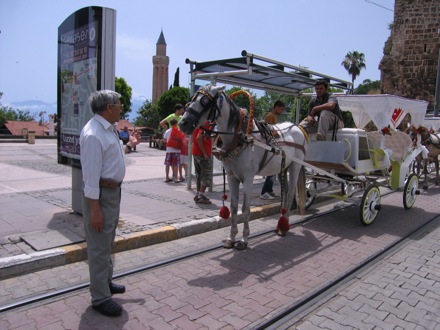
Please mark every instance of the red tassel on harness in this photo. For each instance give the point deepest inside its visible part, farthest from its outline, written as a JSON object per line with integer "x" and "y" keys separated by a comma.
{"x": 283, "y": 222}
{"x": 224, "y": 213}
{"x": 224, "y": 210}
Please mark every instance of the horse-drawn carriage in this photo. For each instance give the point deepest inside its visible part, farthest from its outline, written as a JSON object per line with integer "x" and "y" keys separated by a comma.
{"x": 359, "y": 161}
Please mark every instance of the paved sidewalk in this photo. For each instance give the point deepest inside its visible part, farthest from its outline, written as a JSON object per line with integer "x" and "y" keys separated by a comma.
{"x": 39, "y": 229}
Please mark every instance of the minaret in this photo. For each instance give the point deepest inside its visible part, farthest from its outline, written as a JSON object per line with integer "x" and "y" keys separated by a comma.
{"x": 160, "y": 68}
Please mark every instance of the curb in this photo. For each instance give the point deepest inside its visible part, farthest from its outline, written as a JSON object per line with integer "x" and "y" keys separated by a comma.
{"x": 60, "y": 256}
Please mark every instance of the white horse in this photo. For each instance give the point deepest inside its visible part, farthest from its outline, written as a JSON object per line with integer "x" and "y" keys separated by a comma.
{"x": 246, "y": 155}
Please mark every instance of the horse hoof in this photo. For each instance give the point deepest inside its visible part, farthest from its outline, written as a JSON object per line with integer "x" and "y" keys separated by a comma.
{"x": 228, "y": 244}
{"x": 281, "y": 233}
{"x": 425, "y": 187}
{"x": 241, "y": 246}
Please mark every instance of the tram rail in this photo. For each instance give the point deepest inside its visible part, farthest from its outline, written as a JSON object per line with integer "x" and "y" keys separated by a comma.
{"x": 273, "y": 320}
{"x": 81, "y": 286}
{"x": 322, "y": 295}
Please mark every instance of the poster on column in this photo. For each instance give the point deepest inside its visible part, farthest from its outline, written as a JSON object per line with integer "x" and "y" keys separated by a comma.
{"x": 81, "y": 38}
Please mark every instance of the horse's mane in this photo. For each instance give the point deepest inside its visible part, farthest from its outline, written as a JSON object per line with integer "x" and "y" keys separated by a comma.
{"x": 234, "y": 113}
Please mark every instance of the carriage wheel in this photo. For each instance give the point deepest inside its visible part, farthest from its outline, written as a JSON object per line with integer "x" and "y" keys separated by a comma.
{"x": 370, "y": 205}
{"x": 410, "y": 191}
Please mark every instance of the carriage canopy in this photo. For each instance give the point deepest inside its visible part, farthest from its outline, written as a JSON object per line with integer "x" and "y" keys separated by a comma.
{"x": 255, "y": 71}
{"x": 383, "y": 109}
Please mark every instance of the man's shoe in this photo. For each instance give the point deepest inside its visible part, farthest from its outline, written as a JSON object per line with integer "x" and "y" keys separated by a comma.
{"x": 116, "y": 289}
{"x": 274, "y": 194}
{"x": 266, "y": 196}
{"x": 202, "y": 199}
{"x": 108, "y": 308}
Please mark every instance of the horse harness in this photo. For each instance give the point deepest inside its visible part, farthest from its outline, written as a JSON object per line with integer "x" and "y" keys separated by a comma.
{"x": 432, "y": 138}
{"x": 240, "y": 139}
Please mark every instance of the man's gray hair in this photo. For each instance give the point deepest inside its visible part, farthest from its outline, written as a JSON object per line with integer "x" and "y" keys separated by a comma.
{"x": 100, "y": 99}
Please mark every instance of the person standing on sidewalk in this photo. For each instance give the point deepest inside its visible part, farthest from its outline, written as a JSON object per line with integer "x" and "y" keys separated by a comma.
{"x": 272, "y": 119}
{"x": 179, "y": 109}
{"x": 202, "y": 152}
{"x": 103, "y": 169}
{"x": 173, "y": 137}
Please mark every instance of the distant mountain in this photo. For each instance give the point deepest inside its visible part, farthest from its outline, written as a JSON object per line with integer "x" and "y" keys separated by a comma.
{"x": 135, "y": 105}
{"x": 35, "y": 107}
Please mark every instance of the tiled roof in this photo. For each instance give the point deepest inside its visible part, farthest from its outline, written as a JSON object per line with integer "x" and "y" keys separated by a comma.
{"x": 16, "y": 127}
{"x": 124, "y": 122}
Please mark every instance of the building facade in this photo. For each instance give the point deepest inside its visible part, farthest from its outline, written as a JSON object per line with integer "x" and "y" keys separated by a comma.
{"x": 411, "y": 54}
{"x": 160, "y": 68}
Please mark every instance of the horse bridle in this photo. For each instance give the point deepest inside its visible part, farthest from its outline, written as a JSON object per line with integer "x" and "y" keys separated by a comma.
{"x": 209, "y": 103}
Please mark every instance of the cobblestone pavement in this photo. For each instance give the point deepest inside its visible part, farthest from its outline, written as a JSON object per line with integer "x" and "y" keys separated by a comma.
{"x": 227, "y": 289}
{"x": 400, "y": 292}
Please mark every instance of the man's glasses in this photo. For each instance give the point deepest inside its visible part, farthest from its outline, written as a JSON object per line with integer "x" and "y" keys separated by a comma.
{"x": 121, "y": 105}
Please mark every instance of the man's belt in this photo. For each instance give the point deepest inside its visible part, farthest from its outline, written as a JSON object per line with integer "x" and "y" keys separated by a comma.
{"x": 107, "y": 183}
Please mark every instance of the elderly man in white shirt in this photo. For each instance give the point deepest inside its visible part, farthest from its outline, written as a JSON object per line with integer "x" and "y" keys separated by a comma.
{"x": 103, "y": 169}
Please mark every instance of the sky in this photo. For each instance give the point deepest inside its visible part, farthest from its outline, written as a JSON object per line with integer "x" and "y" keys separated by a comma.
{"x": 311, "y": 33}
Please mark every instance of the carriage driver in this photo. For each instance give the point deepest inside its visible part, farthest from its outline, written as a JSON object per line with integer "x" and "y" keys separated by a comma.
{"x": 326, "y": 108}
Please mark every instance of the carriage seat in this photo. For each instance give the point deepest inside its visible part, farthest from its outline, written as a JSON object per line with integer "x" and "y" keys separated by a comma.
{"x": 398, "y": 144}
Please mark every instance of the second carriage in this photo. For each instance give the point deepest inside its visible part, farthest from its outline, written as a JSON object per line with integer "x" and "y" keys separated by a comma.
{"x": 358, "y": 162}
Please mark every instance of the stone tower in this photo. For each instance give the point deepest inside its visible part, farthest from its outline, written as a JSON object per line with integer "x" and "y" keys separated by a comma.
{"x": 160, "y": 68}
{"x": 411, "y": 54}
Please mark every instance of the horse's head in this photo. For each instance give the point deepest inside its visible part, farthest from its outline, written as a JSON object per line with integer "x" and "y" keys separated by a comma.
{"x": 202, "y": 107}
{"x": 423, "y": 131}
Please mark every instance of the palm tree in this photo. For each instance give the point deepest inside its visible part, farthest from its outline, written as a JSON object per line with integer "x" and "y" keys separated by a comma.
{"x": 354, "y": 62}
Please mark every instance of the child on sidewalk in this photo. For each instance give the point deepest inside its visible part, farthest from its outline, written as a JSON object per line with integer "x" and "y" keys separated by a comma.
{"x": 173, "y": 137}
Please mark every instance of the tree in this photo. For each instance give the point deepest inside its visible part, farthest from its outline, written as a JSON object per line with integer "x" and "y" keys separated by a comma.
{"x": 170, "y": 98}
{"x": 8, "y": 113}
{"x": 354, "y": 62}
{"x": 176, "y": 78}
{"x": 122, "y": 88}
{"x": 266, "y": 102}
{"x": 148, "y": 116}
{"x": 368, "y": 87}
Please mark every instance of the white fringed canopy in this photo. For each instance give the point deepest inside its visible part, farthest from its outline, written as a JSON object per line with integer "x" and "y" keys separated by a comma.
{"x": 383, "y": 109}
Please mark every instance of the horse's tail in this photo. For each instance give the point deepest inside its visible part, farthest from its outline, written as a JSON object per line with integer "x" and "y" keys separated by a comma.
{"x": 301, "y": 191}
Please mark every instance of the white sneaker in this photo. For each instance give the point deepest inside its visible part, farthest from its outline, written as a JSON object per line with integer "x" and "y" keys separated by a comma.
{"x": 266, "y": 196}
{"x": 274, "y": 195}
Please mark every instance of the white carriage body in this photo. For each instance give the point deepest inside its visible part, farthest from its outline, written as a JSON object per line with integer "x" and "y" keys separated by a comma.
{"x": 358, "y": 152}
